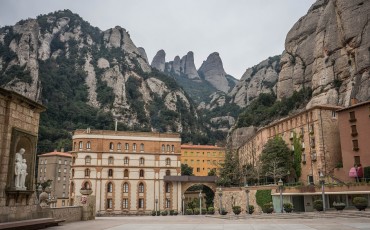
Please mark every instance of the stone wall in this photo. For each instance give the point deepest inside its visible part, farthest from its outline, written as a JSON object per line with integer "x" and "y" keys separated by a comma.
{"x": 69, "y": 214}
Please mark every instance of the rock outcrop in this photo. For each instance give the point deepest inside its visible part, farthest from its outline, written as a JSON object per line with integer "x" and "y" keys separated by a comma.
{"x": 143, "y": 53}
{"x": 328, "y": 51}
{"x": 213, "y": 72}
{"x": 159, "y": 60}
{"x": 187, "y": 66}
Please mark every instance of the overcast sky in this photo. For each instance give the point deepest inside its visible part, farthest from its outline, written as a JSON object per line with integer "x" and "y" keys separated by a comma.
{"x": 244, "y": 32}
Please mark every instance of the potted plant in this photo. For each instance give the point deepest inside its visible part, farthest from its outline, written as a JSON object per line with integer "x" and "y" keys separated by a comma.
{"x": 189, "y": 211}
{"x": 196, "y": 211}
{"x": 223, "y": 212}
{"x": 164, "y": 213}
{"x": 154, "y": 213}
{"x": 317, "y": 204}
{"x": 211, "y": 210}
{"x": 204, "y": 211}
{"x": 175, "y": 213}
{"x": 158, "y": 213}
{"x": 172, "y": 212}
{"x": 288, "y": 207}
{"x": 250, "y": 209}
{"x": 339, "y": 205}
{"x": 360, "y": 203}
{"x": 268, "y": 208}
{"x": 237, "y": 210}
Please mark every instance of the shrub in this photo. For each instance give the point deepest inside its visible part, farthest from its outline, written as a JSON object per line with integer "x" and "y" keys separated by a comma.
{"x": 360, "y": 203}
{"x": 268, "y": 208}
{"x": 339, "y": 205}
{"x": 204, "y": 211}
{"x": 263, "y": 197}
{"x": 288, "y": 207}
{"x": 223, "y": 212}
{"x": 172, "y": 212}
{"x": 250, "y": 209}
{"x": 158, "y": 213}
{"x": 164, "y": 213}
{"x": 317, "y": 204}
{"x": 175, "y": 213}
{"x": 211, "y": 210}
{"x": 367, "y": 172}
{"x": 196, "y": 211}
{"x": 237, "y": 210}
{"x": 153, "y": 213}
{"x": 189, "y": 211}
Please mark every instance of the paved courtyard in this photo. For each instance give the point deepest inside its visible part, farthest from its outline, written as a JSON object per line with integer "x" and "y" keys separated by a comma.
{"x": 213, "y": 223}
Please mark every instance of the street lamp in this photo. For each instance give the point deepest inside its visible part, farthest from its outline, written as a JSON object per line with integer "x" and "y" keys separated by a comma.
{"x": 322, "y": 180}
{"x": 200, "y": 202}
{"x": 247, "y": 193}
{"x": 220, "y": 195}
{"x": 156, "y": 204}
{"x": 280, "y": 184}
{"x": 183, "y": 204}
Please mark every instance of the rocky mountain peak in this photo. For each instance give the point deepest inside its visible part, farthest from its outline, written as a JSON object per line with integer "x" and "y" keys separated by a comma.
{"x": 159, "y": 61}
{"x": 143, "y": 53}
{"x": 187, "y": 66}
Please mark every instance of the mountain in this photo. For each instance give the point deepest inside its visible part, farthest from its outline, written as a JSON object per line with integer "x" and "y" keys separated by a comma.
{"x": 89, "y": 78}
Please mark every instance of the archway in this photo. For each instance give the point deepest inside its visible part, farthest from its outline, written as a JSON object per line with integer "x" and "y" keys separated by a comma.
{"x": 198, "y": 195}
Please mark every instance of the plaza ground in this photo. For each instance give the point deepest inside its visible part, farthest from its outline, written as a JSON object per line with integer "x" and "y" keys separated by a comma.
{"x": 272, "y": 222}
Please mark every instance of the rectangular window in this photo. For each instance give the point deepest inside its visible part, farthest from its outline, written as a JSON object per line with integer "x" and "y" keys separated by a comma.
{"x": 353, "y": 130}
{"x": 352, "y": 116}
{"x": 59, "y": 161}
{"x": 208, "y": 162}
{"x": 168, "y": 203}
{"x": 198, "y": 169}
{"x": 310, "y": 179}
{"x": 65, "y": 170}
{"x": 198, "y": 162}
{"x": 357, "y": 160}
{"x": 64, "y": 194}
{"x": 125, "y": 203}
{"x": 141, "y": 203}
{"x": 109, "y": 203}
{"x": 192, "y": 161}
{"x": 303, "y": 157}
{"x": 64, "y": 186}
{"x": 65, "y": 162}
{"x": 355, "y": 145}
{"x": 186, "y": 162}
{"x": 333, "y": 114}
{"x": 63, "y": 203}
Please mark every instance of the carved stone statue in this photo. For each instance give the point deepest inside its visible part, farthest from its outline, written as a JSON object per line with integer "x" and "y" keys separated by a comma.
{"x": 17, "y": 173}
{"x": 20, "y": 171}
{"x": 23, "y": 174}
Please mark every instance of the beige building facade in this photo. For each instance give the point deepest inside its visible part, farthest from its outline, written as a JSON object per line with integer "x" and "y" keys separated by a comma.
{"x": 56, "y": 166}
{"x": 125, "y": 170}
{"x": 316, "y": 131}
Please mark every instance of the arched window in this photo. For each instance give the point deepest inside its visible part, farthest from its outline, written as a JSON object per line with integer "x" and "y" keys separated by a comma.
{"x": 125, "y": 187}
{"x": 168, "y": 173}
{"x": 163, "y": 148}
{"x": 73, "y": 173}
{"x": 168, "y": 148}
{"x": 125, "y": 173}
{"x": 141, "y": 188}
{"x": 172, "y": 148}
{"x": 42, "y": 162}
{"x": 110, "y": 160}
{"x": 80, "y": 145}
{"x": 87, "y": 172}
{"x": 119, "y": 146}
{"x": 168, "y": 161}
{"x": 168, "y": 187}
{"x": 110, "y": 172}
{"x": 110, "y": 187}
{"x": 86, "y": 185}
{"x": 111, "y": 146}
{"x": 126, "y": 160}
{"x": 88, "y": 145}
{"x": 141, "y": 173}
{"x": 134, "y": 147}
{"x": 127, "y": 146}
{"x": 168, "y": 203}
{"x": 87, "y": 160}
{"x": 141, "y": 147}
{"x": 141, "y": 161}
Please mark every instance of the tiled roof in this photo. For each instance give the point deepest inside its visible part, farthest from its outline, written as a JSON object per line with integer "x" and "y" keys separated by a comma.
{"x": 62, "y": 154}
{"x": 201, "y": 147}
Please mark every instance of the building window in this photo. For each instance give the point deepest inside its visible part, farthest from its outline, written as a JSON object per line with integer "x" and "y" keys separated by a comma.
{"x": 87, "y": 172}
{"x": 60, "y": 161}
{"x": 134, "y": 147}
{"x": 168, "y": 203}
{"x": 125, "y": 173}
{"x": 312, "y": 142}
{"x": 333, "y": 114}
{"x": 63, "y": 202}
{"x": 110, "y": 172}
{"x": 163, "y": 148}
{"x": 65, "y": 162}
{"x": 168, "y": 173}
{"x": 172, "y": 148}
{"x": 357, "y": 160}
{"x": 168, "y": 161}
{"x": 111, "y": 146}
{"x": 352, "y": 116}
{"x": 125, "y": 187}
{"x": 354, "y": 130}
{"x": 186, "y": 161}
{"x": 110, "y": 187}
{"x": 355, "y": 145}
{"x": 126, "y": 160}
{"x": 141, "y": 161}
{"x": 63, "y": 194}
{"x": 198, "y": 162}
{"x": 64, "y": 170}
{"x": 41, "y": 170}
{"x": 198, "y": 169}
{"x": 119, "y": 146}
{"x": 127, "y": 146}
{"x": 141, "y": 173}
{"x": 88, "y": 145}
{"x": 208, "y": 162}
{"x": 109, "y": 203}
{"x": 303, "y": 158}
{"x": 168, "y": 148}
{"x": 80, "y": 145}
{"x": 141, "y": 203}
{"x": 46, "y": 161}
{"x": 73, "y": 173}
{"x": 64, "y": 178}
{"x": 110, "y": 160}
{"x": 168, "y": 187}
{"x": 312, "y": 129}
{"x": 86, "y": 185}
{"x": 58, "y": 178}
{"x": 141, "y": 188}
{"x": 125, "y": 203}
{"x": 87, "y": 160}
{"x": 42, "y": 162}
{"x": 310, "y": 180}
{"x": 141, "y": 147}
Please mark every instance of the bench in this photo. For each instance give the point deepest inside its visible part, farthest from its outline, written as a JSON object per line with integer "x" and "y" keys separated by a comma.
{"x": 31, "y": 224}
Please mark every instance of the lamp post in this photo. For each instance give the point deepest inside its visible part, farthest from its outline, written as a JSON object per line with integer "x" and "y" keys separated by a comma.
{"x": 280, "y": 184}
{"x": 322, "y": 180}
{"x": 247, "y": 193}
{"x": 183, "y": 204}
{"x": 156, "y": 205}
{"x": 220, "y": 195}
{"x": 200, "y": 202}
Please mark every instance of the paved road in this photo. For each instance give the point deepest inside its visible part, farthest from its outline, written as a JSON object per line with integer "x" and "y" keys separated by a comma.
{"x": 208, "y": 223}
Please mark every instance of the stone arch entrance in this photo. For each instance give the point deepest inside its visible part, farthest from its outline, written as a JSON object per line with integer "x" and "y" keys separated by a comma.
{"x": 186, "y": 185}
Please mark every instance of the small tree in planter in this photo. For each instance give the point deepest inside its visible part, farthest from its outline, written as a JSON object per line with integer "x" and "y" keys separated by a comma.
{"x": 211, "y": 211}
{"x": 268, "y": 207}
{"x": 204, "y": 211}
{"x": 250, "y": 209}
{"x": 237, "y": 210}
{"x": 317, "y": 204}
{"x": 360, "y": 203}
{"x": 158, "y": 213}
{"x": 196, "y": 211}
{"x": 164, "y": 213}
{"x": 153, "y": 213}
{"x": 189, "y": 211}
{"x": 339, "y": 205}
{"x": 288, "y": 207}
{"x": 172, "y": 212}
{"x": 223, "y": 212}
{"x": 175, "y": 213}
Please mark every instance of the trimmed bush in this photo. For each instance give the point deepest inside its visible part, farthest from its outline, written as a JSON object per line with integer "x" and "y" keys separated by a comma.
{"x": 288, "y": 207}
{"x": 204, "y": 211}
{"x": 211, "y": 210}
{"x": 250, "y": 209}
{"x": 237, "y": 210}
{"x": 153, "y": 213}
{"x": 172, "y": 212}
{"x": 268, "y": 208}
{"x": 360, "y": 203}
{"x": 196, "y": 211}
{"x": 164, "y": 213}
{"x": 189, "y": 211}
{"x": 223, "y": 212}
{"x": 339, "y": 205}
{"x": 317, "y": 204}
{"x": 175, "y": 213}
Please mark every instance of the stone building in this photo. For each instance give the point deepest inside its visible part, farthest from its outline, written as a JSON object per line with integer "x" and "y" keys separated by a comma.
{"x": 316, "y": 132}
{"x": 125, "y": 170}
{"x": 202, "y": 158}
{"x": 56, "y": 166}
{"x": 19, "y": 125}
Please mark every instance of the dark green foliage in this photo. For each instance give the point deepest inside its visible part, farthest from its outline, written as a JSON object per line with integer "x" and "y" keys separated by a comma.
{"x": 189, "y": 211}
{"x": 186, "y": 170}
{"x": 229, "y": 171}
{"x": 263, "y": 197}
{"x": 250, "y": 209}
{"x": 367, "y": 172}
{"x": 211, "y": 210}
{"x": 15, "y": 72}
{"x": 317, "y": 205}
{"x": 212, "y": 172}
{"x": 297, "y": 166}
{"x": 237, "y": 210}
{"x": 268, "y": 208}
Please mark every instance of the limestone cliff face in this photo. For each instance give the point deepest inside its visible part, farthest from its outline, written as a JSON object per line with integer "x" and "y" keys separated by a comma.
{"x": 187, "y": 66}
{"x": 261, "y": 78}
{"x": 159, "y": 60}
{"x": 328, "y": 51}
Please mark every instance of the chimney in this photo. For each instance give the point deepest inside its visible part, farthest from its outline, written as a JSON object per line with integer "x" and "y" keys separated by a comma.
{"x": 62, "y": 150}
{"x": 354, "y": 101}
